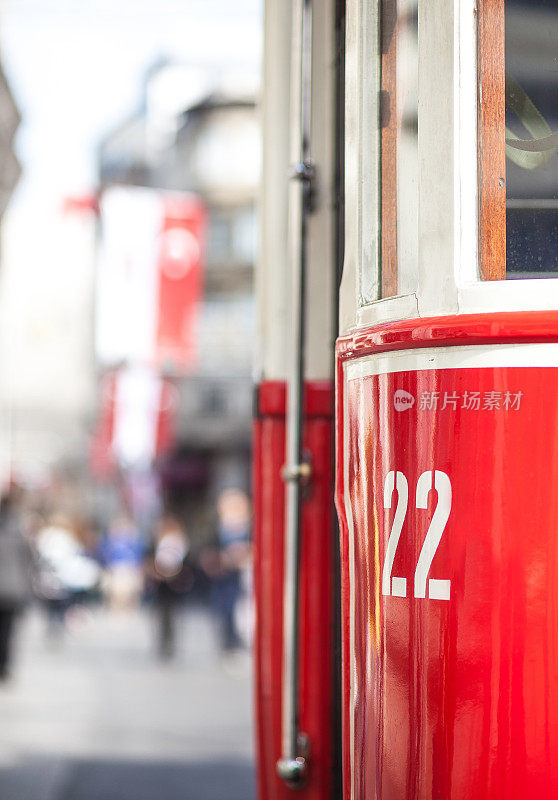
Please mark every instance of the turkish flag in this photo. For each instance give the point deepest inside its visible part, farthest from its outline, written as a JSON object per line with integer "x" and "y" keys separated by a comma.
{"x": 149, "y": 279}
{"x": 179, "y": 268}
{"x": 136, "y": 423}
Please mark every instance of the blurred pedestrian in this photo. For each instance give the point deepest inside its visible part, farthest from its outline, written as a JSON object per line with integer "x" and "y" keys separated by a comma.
{"x": 15, "y": 574}
{"x": 66, "y": 574}
{"x": 171, "y": 573}
{"x": 121, "y": 552}
{"x": 226, "y": 561}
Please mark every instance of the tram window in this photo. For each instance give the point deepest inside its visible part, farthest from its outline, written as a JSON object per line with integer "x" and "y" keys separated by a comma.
{"x": 399, "y": 146}
{"x": 398, "y": 122}
{"x": 519, "y": 139}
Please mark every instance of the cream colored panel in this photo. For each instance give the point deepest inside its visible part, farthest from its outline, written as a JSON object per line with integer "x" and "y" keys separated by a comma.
{"x": 272, "y": 274}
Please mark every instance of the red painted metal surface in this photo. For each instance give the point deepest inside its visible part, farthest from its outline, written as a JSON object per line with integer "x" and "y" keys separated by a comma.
{"x": 450, "y": 689}
{"x": 527, "y": 326}
{"x": 316, "y": 679}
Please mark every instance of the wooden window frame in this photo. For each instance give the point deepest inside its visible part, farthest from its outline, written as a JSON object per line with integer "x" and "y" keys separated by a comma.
{"x": 492, "y": 139}
{"x": 388, "y": 148}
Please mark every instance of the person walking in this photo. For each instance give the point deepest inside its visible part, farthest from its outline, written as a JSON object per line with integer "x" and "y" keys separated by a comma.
{"x": 171, "y": 574}
{"x": 15, "y": 575}
{"x": 122, "y": 552}
{"x": 226, "y": 560}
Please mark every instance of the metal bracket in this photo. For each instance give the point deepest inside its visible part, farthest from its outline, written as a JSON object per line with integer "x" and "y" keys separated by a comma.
{"x": 294, "y": 771}
{"x": 303, "y": 171}
{"x": 297, "y": 473}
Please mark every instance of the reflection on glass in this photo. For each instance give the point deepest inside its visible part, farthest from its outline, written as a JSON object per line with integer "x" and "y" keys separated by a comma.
{"x": 531, "y": 138}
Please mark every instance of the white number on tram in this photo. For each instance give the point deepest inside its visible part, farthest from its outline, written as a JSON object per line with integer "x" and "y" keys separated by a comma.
{"x": 395, "y": 480}
{"x": 437, "y": 589}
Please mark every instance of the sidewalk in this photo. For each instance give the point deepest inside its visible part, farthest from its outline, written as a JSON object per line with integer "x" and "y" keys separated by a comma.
{"x": 98, "y": 718}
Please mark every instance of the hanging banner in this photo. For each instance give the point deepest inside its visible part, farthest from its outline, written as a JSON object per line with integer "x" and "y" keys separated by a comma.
{"x": 136, "y": 421}
{"x": 179, "y": 268}
{"x": 149, "y": 278}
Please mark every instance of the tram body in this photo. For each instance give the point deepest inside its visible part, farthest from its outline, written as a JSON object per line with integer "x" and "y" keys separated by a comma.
{"x": 406, "y": 646}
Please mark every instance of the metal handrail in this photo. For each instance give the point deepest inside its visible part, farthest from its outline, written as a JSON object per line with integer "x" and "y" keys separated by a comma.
{"x": 293, "y": 764}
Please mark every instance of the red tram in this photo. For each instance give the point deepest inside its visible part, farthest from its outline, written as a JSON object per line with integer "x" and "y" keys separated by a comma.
{"x": 407, "y": 645}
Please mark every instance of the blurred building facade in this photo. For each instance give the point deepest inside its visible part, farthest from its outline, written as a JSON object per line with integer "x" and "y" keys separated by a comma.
{"x": 199, "y": 134}
{"x": 47, "y": 385}
{"x": 9, "y": 123}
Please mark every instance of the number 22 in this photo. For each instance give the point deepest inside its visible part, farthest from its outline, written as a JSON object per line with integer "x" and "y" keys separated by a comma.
{"x": 437, "y": 589}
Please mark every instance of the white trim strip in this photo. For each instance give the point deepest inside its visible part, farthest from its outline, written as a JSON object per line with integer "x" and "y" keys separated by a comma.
{"x": 543, "y": 354}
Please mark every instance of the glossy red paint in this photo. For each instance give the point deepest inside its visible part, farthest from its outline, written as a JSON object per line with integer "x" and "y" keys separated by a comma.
{"x": 450, "y": 699}
{"x": 526, "y": 326}
{"x": 315, "y": 590}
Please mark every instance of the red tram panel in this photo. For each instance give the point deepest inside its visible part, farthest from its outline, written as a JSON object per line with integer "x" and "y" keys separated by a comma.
{"x": 316, "y": 588}
{"x": 446, "y": 490}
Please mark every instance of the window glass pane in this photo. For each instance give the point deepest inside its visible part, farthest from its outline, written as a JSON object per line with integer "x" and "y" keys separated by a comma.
{"x": 531, "y": 138}
{"x": 518, "y": 132}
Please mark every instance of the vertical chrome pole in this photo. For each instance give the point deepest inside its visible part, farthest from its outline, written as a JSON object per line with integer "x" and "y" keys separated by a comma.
{"x": 292, "y": 767}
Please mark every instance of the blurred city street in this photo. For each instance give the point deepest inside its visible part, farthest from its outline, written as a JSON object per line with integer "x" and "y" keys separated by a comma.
{"x": 127, "y": 343}
{"x": 96, "y": 716}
